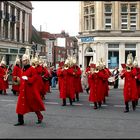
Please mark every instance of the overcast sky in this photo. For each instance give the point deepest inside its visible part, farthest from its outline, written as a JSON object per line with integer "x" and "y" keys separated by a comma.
{"x": 55, "y": 16}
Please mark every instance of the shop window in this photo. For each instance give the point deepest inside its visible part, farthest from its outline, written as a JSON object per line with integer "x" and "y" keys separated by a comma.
{"x": 113, "y": 59}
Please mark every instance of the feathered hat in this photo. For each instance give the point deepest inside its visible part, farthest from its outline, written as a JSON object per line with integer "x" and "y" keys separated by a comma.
{"x": 61, "y": 63}
{"x": 36, "y": 59}
{"x": 3, "y": 61}
{"x": 135, "y": 62}
{"x": 45, "y": 64}
{"x": 26, "y": 56}
{"x": 91, "y": 61}
{"x": 74, "y": 60}
{"x": 17, "y": 59}
{"x": 32, "y": 61}
{"x": 129, "y": 60}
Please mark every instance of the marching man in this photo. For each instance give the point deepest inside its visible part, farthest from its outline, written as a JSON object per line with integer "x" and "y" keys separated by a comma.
{"x": 16, "y": 75}
{"x": 29, "y": 99}
{"x": 130, "y": 88}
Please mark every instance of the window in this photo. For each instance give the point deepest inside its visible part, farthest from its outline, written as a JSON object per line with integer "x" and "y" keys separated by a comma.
{"x": 113, "y": 45}
{"x": 92, "y": 10}
{"x": 124, "y": 8}
{"x": 108, "y": 8}
{"x": 23, "y": 16}
{"x": 18, "y": 14}
{"x": 132, "y": 46}
{"x": 86, "y": 23}
{"x": 92, "y": 22}
{"x": 133, "y": 22}
{"x": 86, "y": 11}
{"x": 124, "y": 21}
{"x": 107, "y": 21}
{"x": 132, "y": 8}
{"x": 113, "y": 59}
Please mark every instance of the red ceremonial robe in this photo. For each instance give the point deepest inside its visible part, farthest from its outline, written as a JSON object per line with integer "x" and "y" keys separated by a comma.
{"x": 130, "y": 88}
{"x": 29, "y": 99}
{"x": 16, "y": 73}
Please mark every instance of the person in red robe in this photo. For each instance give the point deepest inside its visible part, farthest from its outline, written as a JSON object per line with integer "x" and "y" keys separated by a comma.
{"x": 130, "y": 87}
{"x": 39, "y": 70}
{"x": 16, "y": 75}
{"x": 29, "y": 99}
{"x": 137, "y": 77}
{"x": 96, "y": 92}
{"x": 3, "y": 76}
{"x": 77, "y": 80}
{"x": 107, "y": 72}
{"x": 65, "y": 84}
{"x": 46, "y": 77}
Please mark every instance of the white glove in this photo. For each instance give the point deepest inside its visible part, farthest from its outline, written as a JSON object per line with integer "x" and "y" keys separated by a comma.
{"x": 24, "y": 77}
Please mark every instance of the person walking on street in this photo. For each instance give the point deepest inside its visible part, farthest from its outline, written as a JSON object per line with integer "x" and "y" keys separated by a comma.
{"x": 29, "y": 99}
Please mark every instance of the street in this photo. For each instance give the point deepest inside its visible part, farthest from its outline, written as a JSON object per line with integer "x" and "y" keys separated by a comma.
{"x": 77, "y": 121}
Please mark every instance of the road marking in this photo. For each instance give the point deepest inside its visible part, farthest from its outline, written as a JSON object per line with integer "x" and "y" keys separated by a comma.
{"x": 4, "y": 100}
{"x": 119, "y": 105}
{"x": 78, "y": 104}
{"x": 101, "y": 105}
{"x": 9, "y": 105}
{"x": 53, "y": 103}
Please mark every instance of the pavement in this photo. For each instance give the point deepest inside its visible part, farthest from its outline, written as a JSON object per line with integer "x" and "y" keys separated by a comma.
{"x": 77, "y": 121}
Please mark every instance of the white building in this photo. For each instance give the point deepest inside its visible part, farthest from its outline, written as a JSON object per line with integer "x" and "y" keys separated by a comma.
{"x": 15, "y": 28}
{"x": 109, "y": 29}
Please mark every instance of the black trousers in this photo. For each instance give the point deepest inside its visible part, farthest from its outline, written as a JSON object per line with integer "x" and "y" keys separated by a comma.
{"x": 20, "y": 118}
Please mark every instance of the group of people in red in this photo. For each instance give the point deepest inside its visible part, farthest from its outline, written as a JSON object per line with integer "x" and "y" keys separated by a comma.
{"x": 30, "y": 83}
{"x": 69, "y": 80}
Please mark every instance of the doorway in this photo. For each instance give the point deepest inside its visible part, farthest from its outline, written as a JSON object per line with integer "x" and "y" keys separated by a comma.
{"x": 87, "y": 60}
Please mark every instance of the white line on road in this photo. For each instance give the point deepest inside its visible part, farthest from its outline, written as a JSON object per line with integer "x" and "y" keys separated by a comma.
{"x": 53, "y": 103}
{"x": 119, "y": 105}
{"x": 4, "y": 100}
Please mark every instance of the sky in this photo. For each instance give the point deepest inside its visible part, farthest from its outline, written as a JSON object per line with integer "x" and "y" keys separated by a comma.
{"x": 55, "y": 16}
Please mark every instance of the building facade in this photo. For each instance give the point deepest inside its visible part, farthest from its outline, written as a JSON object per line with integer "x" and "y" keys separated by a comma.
{"x": 109, "y": 29}
{"x": 59, "y": 46}
{"x": 15, "y": 28}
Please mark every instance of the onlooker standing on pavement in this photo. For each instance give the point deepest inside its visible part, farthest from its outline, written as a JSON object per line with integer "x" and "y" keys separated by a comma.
{"x": 29, "y": 99}
{"x": 54, "y": 76}
{"x": 115, "y": 73}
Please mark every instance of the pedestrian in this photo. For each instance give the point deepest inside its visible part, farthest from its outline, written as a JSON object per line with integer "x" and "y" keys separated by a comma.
{"x": 130, "y": 87}
{"x": 54, "y": 76}
{"x": 29, "y": 99}
{"x": 16, "y": 75}
{"x": 115, "y": 73}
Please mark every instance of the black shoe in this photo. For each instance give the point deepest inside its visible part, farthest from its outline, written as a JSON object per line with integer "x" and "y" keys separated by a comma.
{"x": 19, "y": 123}
{"x": 95, "y": 107}
{"x": 126, "y": 110}
{"x": 39, "y": 121}
{"x": 63, "y": 104}
{"x": 87, "y": 89}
